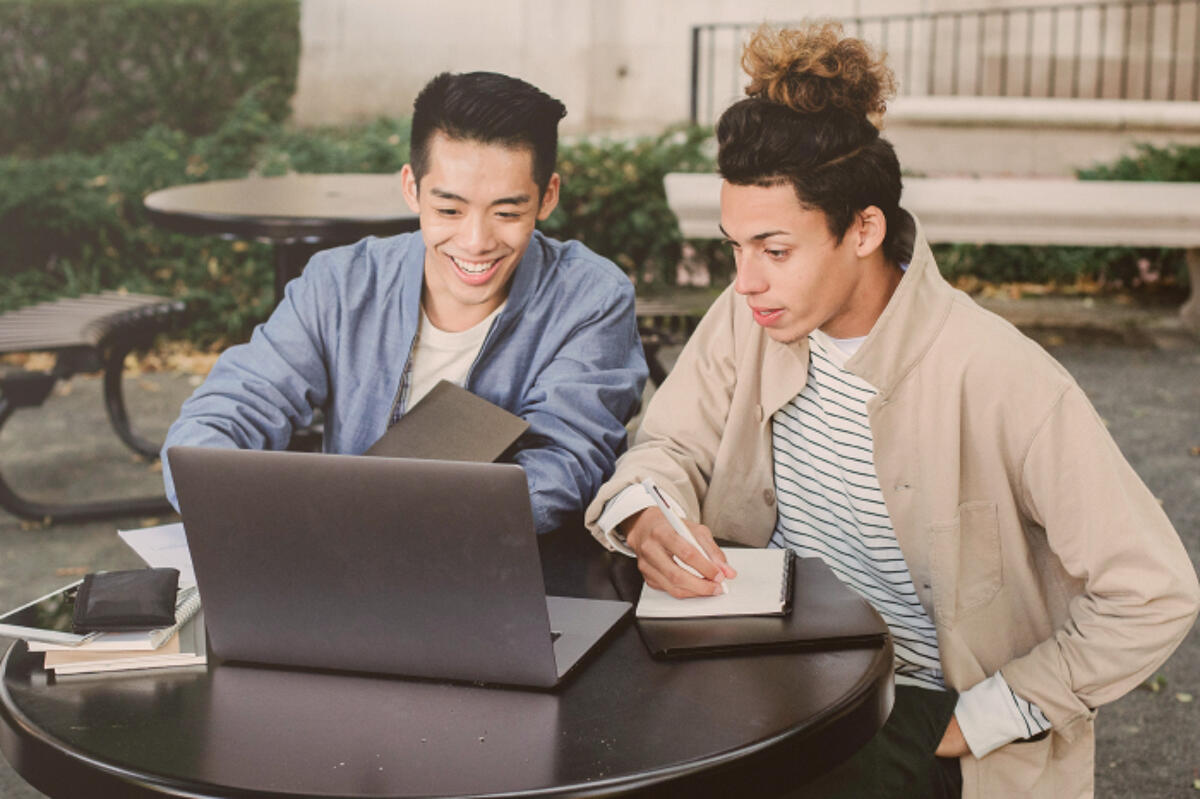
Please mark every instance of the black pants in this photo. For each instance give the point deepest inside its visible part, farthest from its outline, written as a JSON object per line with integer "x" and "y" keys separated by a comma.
{"x": 899, "y": 761}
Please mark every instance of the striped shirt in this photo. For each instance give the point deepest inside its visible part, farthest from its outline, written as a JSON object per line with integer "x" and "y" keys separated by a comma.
{"x": 830, "y": 506}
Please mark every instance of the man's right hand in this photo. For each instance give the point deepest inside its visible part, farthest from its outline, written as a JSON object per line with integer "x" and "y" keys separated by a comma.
{"x": 650, "y": 535}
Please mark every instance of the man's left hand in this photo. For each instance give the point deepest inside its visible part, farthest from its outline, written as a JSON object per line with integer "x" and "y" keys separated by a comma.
{"x": 953, "y": 743}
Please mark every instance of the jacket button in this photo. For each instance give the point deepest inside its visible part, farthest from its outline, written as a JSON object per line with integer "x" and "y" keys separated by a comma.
{"x": 768, "y": 497}
{"x": 758, "y": 412}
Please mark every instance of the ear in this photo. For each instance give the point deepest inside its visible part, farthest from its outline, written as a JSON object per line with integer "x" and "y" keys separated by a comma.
{"x": 869, "y": 231}
{"x": 408, "y": 184}
{"x": 549, "y": 197}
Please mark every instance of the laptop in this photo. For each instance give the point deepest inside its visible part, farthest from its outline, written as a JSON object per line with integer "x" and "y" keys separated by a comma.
{"x": 420, "y": 568}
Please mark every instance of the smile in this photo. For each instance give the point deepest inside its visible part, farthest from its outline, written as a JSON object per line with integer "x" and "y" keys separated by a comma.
{"x": 474, "y": 268}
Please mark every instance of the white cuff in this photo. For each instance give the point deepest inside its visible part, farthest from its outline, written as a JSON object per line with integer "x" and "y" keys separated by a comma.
{"x": 988, "y": 716}
{"x": 631, "y": 500}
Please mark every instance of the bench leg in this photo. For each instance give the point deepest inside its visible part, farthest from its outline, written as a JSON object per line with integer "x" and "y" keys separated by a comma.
{"x": 1190, "y": 312}
{"x": 74, "y": 512}
{"x": 114, "y": 402}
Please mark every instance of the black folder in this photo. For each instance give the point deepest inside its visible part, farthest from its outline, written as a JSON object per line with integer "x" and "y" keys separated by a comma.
{"x": 825, "y": 614}
{"x": 452, "y": 424}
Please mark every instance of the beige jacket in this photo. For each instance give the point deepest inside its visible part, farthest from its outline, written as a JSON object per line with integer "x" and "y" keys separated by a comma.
{"x": 1032, "y": 544}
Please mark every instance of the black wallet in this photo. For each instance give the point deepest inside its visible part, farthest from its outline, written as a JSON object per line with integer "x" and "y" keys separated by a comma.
{"x": 124, "y": 601}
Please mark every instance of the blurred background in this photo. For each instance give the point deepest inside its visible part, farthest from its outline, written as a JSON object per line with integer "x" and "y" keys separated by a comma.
{"x": 104, "y": 101}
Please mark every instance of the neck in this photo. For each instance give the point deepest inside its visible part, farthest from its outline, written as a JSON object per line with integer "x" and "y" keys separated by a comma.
{"x": 870, "y": 296}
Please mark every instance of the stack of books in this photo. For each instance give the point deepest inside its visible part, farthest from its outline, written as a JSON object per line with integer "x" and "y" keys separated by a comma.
{"x": 181, "y": 644}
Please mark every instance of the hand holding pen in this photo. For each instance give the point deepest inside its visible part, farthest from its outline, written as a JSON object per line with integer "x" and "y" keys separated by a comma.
{"x": 673, "y": 555}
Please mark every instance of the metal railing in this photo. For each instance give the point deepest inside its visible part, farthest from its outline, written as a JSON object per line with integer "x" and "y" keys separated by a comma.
{"x": 1130, "y": 49}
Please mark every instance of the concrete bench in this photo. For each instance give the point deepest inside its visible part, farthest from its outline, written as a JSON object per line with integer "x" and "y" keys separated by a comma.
{"x": 998, "y": 210}
{"x": 86, "y": 334}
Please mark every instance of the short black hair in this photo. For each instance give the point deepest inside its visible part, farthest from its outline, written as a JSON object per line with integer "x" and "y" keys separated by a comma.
{"x": 490, "y": 108}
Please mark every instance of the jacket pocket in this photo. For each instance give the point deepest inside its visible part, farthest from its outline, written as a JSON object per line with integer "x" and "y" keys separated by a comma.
{"x": 965, "y": 560}
{"x": 1018, "y": 770}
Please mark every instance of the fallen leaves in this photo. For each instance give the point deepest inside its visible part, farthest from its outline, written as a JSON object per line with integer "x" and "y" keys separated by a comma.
{"x": 1155, "y": 683}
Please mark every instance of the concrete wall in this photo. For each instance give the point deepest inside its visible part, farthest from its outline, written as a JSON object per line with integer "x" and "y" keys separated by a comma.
{"x": 619, "y": 65}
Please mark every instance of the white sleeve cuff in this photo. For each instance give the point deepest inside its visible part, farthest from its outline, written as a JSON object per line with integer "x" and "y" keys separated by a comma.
{"x": 631, "y": 500}
{"x": 989, "y": 716}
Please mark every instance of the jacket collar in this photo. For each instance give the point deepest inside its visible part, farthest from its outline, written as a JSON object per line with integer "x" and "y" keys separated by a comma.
{"x": 911, "y": 320}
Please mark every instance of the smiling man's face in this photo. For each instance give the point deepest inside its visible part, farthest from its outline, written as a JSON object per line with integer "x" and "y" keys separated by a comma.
{"x": 478, "y": 205}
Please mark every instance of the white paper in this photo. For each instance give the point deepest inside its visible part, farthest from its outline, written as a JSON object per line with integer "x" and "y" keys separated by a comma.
{"x": 164, "y": 546}
{"x": 757, "y": 590}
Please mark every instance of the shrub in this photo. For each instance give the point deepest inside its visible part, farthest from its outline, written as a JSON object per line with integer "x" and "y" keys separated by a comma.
{"x": 83, "y": 74}
{"x": 72, "y": 223}
{"x": 613, "y": 198}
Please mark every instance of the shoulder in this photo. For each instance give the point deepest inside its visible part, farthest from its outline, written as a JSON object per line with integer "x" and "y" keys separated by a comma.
{"x": 997, "y": 364}
{"x": 573, "y": 260}
{"x": 575, "y": 274}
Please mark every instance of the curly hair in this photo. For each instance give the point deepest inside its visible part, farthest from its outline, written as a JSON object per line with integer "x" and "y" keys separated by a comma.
{"x": 811, "y": 118}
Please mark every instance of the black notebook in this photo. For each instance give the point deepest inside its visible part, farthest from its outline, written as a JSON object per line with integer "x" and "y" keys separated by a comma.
{"x": 825, "y": 614}
{"x": 452, "y": 424}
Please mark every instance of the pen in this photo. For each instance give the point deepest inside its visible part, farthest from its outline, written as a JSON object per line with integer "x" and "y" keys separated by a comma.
{"x": 678, "y": 525}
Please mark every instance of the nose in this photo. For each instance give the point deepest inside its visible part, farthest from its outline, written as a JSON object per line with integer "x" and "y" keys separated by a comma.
{"x": 476, "y": 236}
{"x": 749, "y": 278}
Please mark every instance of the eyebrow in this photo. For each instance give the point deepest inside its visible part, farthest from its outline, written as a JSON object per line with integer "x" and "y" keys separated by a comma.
{"x": 516, "y": 199}
{"x": 757, "y": 237}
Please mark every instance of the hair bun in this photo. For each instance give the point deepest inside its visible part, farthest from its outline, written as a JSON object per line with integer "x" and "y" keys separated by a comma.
{"x": 814, "y": 69}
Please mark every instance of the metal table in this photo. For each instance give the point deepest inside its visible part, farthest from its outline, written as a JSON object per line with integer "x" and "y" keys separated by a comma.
{"x": 625, "y": 725}
{"x": 298, "y": 214}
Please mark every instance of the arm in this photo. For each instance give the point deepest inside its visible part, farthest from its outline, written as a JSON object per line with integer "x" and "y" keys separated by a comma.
{"x": 677, "y": 447}
{"x": 677, "y": 441}
{"x": 258, "y": 393}
{"x": 1139, "y": 591}
{"x": 577, "y": 408}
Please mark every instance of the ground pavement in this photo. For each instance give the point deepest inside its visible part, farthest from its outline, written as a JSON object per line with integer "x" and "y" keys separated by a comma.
{"x": 1141, "y": 371}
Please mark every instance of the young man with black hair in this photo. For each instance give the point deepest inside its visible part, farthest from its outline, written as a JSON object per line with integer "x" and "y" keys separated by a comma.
{"x": 542, "y": 328}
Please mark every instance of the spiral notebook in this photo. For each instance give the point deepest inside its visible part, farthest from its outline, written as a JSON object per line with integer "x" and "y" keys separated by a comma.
{"x": 825, "y": 614}
{"x": 763, "y": 587}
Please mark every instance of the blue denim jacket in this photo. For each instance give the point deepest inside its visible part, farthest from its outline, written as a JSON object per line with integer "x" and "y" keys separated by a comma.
{"x": 564, "y": 355}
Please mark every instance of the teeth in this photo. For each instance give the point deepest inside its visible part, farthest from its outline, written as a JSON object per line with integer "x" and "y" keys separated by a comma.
{"x": 472, "y": 267}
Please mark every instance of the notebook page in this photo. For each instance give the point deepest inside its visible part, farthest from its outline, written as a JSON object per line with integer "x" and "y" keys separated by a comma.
{"x": 758, "y": 590}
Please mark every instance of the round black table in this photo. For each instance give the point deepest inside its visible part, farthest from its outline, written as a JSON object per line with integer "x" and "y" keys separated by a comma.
{"x": 298, "y": 214}
{"x": 624, "y": 725}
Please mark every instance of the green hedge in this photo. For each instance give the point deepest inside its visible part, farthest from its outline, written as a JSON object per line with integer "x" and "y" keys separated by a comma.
{"x": 80, "y": 75}
{"x": 613, "y": 198}
{"x": 73, "y": 223}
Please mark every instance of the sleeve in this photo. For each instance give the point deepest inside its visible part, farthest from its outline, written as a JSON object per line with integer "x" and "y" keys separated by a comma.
{"x": 259, "y": 392}
{"x": 631, "y": 500}
{"x": 990, "y": 714}
{"x": 1139, "y": 592}
{"x": 677, "y": 442}
{"x": 577, "y": 409}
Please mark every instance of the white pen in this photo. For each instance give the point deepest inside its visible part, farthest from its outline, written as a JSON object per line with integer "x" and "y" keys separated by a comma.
{"x": 679, "y": 527}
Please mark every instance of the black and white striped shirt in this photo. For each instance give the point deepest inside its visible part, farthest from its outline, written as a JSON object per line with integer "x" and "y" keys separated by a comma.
{"x": 830, "y": 506}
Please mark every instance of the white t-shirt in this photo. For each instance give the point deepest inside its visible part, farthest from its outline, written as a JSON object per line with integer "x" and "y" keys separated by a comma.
{"x": 439, "y": 355}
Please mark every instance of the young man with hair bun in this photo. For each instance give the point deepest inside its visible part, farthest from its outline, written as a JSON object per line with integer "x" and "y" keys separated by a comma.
{"x": 841, "y": 399}
{"x": 542, "y": 328}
